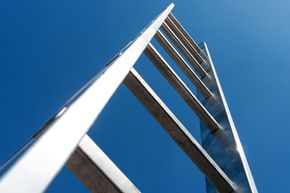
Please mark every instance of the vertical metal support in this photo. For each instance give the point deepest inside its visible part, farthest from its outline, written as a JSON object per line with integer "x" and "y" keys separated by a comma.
{"x": 224, "y": 145}
{"x": 92, "y": 166}
{"x": 37, "y": 167}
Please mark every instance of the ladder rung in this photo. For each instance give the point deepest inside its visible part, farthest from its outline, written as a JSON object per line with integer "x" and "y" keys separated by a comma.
{"x": 182, "y": 64}
{"x": 181, "y": 88}
{"x": 95, "y": 169}
{"x": 187, "y": 36}
{"x": 185, "y": 42}
{"x": 178, "y": 132}
{"x": 184, "y": 50}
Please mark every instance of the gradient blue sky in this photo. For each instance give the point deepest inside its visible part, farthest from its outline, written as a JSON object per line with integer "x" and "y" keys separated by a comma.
{"x": 49, "y": 49}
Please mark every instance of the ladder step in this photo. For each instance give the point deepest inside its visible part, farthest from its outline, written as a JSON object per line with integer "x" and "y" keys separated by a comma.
{"x": 178, "y": 132}
{"x": 181, "y": 88}
{"x": 95, "y": 169}
{"x": 185, "y": 42}
{"x": 187, "y": 36}
{"x": 195, "y": 64}
{"x": 182, "y": 64}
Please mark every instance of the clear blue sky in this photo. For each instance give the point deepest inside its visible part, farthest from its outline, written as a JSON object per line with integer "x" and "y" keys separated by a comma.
{"x": 49, "y": 49}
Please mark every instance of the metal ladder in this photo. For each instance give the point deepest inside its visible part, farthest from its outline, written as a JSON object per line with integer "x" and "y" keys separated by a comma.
{"x": 220, "y": 157}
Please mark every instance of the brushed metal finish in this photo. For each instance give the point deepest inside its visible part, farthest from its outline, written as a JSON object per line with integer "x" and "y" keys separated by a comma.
{"x": 95, "y": 169}
{"x": 178, "y": 132}
{"x": 37, "y": 167}
{"x": 181, "y": 88}
{"x": 195, "y": 64}
{"x": 182, "y": 64}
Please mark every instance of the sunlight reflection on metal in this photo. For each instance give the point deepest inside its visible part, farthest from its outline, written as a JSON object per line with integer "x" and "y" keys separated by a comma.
{"x": 233, "y": 161}
{"x": 61, "y": 112}
{"x": 36, "y": 168}
{"x": 62, "y": 139}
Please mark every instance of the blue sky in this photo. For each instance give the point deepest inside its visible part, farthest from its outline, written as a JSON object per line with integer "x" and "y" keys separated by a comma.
{"x": 49, "y": 49}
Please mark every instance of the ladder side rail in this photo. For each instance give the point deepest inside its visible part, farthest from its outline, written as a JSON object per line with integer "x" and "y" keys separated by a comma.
{"x": 247, "y": 182}
{"x": 73, "y": 121}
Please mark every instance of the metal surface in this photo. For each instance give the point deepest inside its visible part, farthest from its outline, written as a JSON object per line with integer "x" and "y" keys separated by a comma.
{"x": 182, "y": 64}
{"x": 93, "y": 167}
{"x": 63, "y": 138}
{"x": 181, "y": 88}
{"x": 187, "y": 36}
{"x": 37, "y": 167}
{"x": 195, "y": 64}
{"x": 184, "y": 40}
{"x": 178, "y": 132}
{"x": 224, "y": 146}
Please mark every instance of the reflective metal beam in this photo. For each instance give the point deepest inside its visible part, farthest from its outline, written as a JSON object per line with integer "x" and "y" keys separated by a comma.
{"x": 187, "y": 37}
{"x": 195, "y": 64}
{"x": 184, "y": 40}
{"x": 37, "y": 167}
{"x": 178, "y": 132}
{"x": 181, "y": 88}
{"x": 182, "y": 64}
{"x": 225, "y": 147}
{"x": 95, "y": 169}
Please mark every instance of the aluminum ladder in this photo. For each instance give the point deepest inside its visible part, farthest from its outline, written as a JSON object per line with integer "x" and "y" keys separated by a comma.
{"x": 220, "y": 157}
